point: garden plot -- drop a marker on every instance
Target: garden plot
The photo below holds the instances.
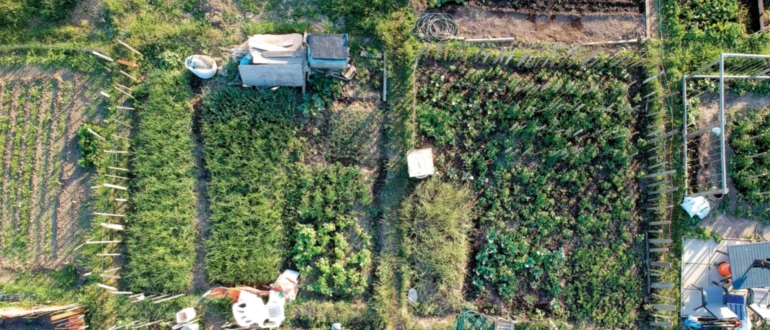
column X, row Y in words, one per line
column 42, row 186
column 549, row 151
column 745, row 145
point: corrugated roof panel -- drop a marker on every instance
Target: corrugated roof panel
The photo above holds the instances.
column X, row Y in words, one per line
column 741, row 257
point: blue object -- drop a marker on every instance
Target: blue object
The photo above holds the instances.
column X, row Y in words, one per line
column 692, row 323
column 737, row 304
column 328, row 51
column 246, row 60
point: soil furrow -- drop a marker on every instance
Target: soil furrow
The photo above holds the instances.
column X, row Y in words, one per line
column 63, row 199
column 74, row 179
column 17, row 174
column 3, row 120
column 38, row 173
column 6, row 187
column 53, row 144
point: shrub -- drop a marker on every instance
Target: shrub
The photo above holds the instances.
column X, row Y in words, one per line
column 12, row 12
column 90, row 146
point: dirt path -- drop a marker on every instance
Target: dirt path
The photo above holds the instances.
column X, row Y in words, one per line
column 200, row 283
column 477, row 22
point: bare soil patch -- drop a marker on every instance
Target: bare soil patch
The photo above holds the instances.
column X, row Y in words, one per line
column 479, row 22
column 58, row 185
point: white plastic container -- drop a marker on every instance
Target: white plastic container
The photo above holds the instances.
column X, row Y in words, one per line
column 201, row 65
column 186, row 315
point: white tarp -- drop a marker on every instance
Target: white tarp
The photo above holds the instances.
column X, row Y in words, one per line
column 696, row 206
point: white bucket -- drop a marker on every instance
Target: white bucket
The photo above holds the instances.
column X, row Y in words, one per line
column 201, row 65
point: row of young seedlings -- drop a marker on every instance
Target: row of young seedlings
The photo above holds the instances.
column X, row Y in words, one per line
column 579, row 56
column 659, row 196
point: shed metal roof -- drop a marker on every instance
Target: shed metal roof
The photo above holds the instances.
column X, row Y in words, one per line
column 741, row 257
column 328, row 46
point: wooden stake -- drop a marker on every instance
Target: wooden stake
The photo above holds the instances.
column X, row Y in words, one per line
column 129, row 76
column 118, row 168
column 122, row 123
column 112, row 226
column 128, row 64
column 102, row 242
column 167, row 299
column 115, row 176
column 122, row 152
column 102, row 56
column 104, row 94
column 109, row 214
column 96, row 135
column 107, row 185
column 107, row 254
column 126, row 94
column 106, row 287
column 129, row 47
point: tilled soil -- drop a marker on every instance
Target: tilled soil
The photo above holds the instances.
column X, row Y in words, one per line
column 58, row 186
column 480, row 22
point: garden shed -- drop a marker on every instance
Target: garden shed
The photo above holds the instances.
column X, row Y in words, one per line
column 274, row 60
column 328, row 51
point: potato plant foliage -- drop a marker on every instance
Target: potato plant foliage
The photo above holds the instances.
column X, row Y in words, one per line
column 550, row 157
column 750, row 139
